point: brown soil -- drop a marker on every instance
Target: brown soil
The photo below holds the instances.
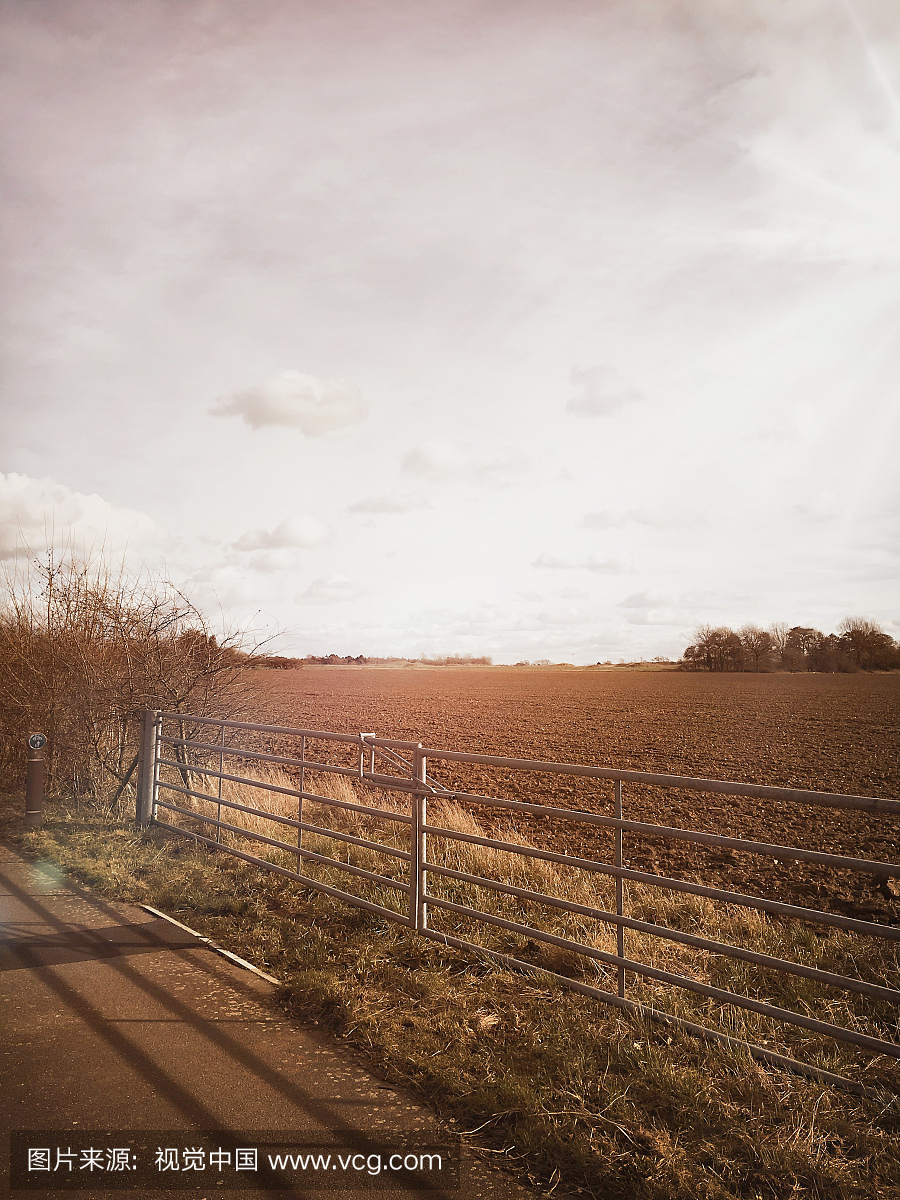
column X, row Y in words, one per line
column 823, row 732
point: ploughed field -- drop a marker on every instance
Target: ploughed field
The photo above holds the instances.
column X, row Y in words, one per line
column 838, row 733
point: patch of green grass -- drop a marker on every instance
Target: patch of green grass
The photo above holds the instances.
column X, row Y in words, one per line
column 576, row 1091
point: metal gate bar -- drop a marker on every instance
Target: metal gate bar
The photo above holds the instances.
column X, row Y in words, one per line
column 664, row 883
column 838, row 1032
column 652, row 1014
column 276, row 869
column 381, row 880
column 414, row 780
column 875, row 990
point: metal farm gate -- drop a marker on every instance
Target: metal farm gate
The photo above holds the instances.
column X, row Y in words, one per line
column 181, row 751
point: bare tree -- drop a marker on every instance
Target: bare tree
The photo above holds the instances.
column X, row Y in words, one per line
column 756, row 644
column 780, row 633
column 716, row 649
column 802, row 643
column 860, row 644
column 869, row 647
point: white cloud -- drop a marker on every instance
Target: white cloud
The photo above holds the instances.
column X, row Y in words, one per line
column 680, row 609
column 393, row 502
column 601, row 392
column 560, row 616
column 822, row 508
column 584, row 562
column 669, row 518
column 329, row 590
column 651, row 599
column 274, row 562
column 229, row 587
column 566, row 593
column 40, row 512
column 313, row 405
column 440, row 458
column 297, row 531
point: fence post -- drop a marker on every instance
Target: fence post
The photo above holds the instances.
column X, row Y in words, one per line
column 418, row 911
column 221, row 769
column 620, row 890
column 300, row 800
column 363, row 746
column 146, row 786
column 34, row 781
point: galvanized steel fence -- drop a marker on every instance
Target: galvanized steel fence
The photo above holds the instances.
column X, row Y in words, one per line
column 174, row 747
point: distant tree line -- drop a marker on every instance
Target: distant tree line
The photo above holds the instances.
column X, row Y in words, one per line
column 336, row 660
column 291, row 664
column 458, row 660
column 858, row 645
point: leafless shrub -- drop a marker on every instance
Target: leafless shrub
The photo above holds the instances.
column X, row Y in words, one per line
column 85, row 644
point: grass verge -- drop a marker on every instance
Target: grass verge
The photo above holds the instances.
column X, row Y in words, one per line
column 574, row 1093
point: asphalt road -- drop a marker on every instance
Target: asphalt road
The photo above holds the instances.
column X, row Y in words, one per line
column 121, row 1032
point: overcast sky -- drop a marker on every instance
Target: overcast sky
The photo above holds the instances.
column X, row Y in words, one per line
column 530, row 328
